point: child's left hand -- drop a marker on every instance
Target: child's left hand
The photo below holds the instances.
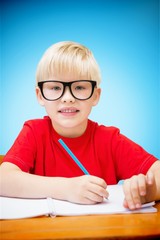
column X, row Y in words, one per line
column 139, row 189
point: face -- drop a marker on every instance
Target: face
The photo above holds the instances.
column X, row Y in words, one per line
column 69, row 115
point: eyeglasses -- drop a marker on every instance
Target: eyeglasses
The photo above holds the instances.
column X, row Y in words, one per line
column 53, row 90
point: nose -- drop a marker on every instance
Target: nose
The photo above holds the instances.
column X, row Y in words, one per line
column 67, row 96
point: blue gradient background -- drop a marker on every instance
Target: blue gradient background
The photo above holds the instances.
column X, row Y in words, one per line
column 124, row 37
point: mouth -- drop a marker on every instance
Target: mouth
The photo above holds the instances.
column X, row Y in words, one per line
column 68, row 110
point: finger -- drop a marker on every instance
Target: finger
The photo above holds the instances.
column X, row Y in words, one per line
column 98, row 181
column 137, row 185
column 132, row 199
column 142, row 184
column 99, row 187
column 127, row 193
column 150, row 177
column 94, row 198
column 125, row 203
column 100, row 191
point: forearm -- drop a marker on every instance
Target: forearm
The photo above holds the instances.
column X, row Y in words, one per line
column 84, row 189
column 15, row 183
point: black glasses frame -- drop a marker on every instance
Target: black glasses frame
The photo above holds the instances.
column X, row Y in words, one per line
column 67, row 84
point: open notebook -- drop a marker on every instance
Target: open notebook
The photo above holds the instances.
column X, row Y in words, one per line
column 15, row 208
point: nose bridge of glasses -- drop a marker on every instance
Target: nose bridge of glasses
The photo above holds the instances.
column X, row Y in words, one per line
column 67, row 89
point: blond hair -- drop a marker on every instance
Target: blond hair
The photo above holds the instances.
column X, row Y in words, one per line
column 68, row 57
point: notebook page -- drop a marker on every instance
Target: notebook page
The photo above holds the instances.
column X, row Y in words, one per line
column 15, row 208
column 111, row 206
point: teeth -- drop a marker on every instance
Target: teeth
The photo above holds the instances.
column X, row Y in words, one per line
column 68, row 111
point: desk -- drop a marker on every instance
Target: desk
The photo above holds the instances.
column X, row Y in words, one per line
column 1, row 158
column 122, row 226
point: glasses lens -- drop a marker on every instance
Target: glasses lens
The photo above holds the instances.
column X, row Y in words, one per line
column 52, row 90
column 81, row 89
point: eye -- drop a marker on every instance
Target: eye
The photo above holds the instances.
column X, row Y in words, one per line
column 79, row 88
column 53, row 87
column 56, row 88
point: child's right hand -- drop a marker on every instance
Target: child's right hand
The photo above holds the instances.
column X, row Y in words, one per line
column 86, row 189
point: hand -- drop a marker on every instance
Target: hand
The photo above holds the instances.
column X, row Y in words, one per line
column 139, row 189
column 86, row 189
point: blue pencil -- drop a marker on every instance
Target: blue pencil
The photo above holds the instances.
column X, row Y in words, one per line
column 73, row 157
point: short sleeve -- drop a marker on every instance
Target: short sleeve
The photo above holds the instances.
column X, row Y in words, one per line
column 130, row 158
column 23, row 151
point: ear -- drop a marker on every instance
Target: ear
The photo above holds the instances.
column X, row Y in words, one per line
column 96, row 96
column 39, row 96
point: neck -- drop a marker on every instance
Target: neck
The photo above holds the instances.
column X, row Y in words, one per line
column 70, row 132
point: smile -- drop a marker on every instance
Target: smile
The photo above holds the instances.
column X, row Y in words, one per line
column 68, row 110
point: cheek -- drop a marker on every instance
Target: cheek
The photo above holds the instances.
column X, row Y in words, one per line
column 92, row 101
column 88, row 107
column 50, row 107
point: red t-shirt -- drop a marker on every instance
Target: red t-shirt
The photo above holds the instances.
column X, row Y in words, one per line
column 102, row 150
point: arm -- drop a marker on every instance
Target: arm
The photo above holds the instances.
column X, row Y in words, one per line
column 84, row 189
column 142, row 188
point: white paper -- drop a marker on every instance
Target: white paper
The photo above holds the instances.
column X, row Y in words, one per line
column 113, row 205
column 14, row 208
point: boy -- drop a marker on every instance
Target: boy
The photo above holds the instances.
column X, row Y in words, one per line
column 37, row 166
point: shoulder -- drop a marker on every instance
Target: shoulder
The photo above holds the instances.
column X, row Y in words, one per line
column 104, row 135
column 38, row 126
column 103, row 130
column 38, row 123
